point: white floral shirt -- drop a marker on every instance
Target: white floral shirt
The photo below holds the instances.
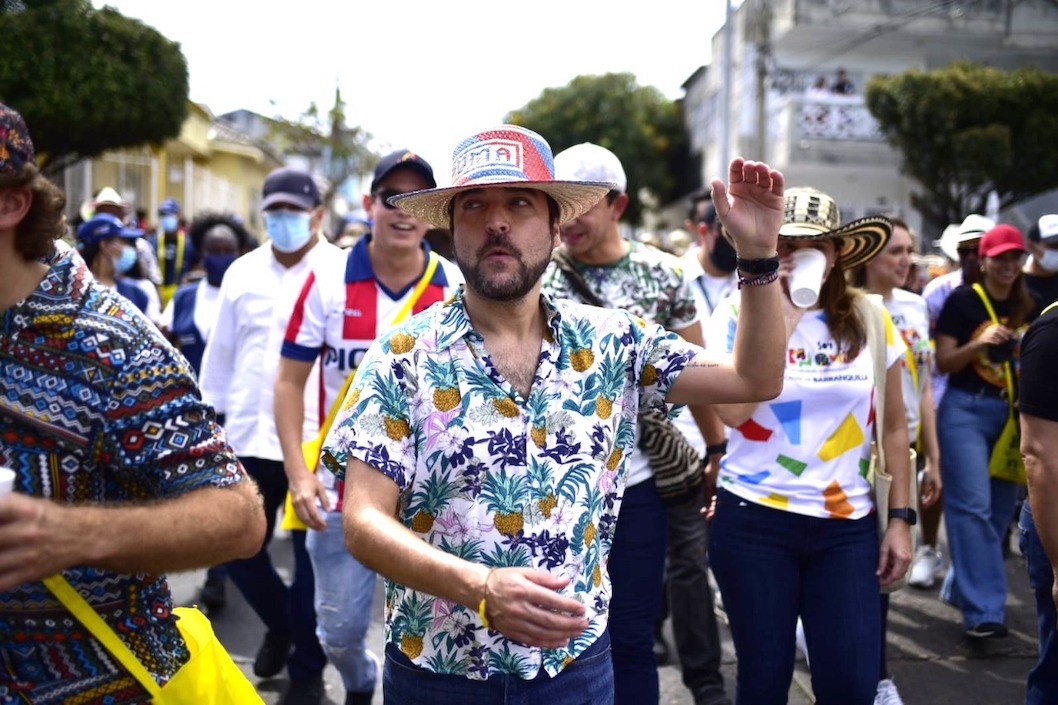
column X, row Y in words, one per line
column 501, row 480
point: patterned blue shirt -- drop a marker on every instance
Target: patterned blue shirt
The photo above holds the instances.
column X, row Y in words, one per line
column 95, row 406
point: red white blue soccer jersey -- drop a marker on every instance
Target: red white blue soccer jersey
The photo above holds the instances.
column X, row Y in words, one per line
column 342, row 308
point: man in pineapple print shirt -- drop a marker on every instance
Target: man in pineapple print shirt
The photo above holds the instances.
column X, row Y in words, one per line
column 484, row 442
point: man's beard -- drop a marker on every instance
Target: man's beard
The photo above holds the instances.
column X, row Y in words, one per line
column 507, row 287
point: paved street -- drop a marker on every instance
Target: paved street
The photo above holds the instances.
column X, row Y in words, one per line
column 928, row 656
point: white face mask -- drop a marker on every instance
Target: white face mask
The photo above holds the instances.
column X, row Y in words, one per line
column 1049, row 260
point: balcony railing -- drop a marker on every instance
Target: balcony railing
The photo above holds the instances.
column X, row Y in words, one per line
column 832, row 118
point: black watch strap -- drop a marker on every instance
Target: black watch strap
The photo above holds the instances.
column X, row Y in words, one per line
column 906, row 513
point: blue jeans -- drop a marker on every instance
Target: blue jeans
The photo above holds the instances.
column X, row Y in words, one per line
column 344, row 590
column 773, row 565
column 691, row 601
column 283, row 610
column 588, row 680
column 977, row 507
column 637, row 570
column 1042, row 686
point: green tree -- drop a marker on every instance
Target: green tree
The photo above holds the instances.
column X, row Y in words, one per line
column 637, row 123
column 967, row 129
column 88, row 80
column 332, row 147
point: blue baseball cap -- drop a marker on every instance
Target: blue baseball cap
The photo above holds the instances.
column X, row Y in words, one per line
column 170, row 206
column 291, row 186
column 104, row 226
column 402, row 158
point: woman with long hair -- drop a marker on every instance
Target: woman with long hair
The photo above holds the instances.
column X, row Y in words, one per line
column 977, row 354
column 795, row 532
column 885, row 275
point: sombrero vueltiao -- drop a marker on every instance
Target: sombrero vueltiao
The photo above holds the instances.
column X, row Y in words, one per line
column 509, row 156
column 813, row 215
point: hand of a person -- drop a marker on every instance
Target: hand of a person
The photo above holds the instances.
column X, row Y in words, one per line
column 994, row 334
column 308, row 494
column 712, row 472
column 1054, row 589
column 524, row 605
column 29, row 548
column 930, row 487
column 751, row 207
column 894, row 555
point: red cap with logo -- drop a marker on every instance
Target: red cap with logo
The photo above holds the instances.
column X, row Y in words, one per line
column 1002, row 238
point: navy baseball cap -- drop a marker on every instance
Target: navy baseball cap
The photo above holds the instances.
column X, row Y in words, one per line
column 170, row 206
column 104, row 226
column 293, row 186
column 402, row 158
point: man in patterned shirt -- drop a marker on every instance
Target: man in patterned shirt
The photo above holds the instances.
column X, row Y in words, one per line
column 651, row 284
column 121, row 472
column 484, row 442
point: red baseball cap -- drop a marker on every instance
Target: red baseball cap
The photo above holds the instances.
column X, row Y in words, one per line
column 1002, row 238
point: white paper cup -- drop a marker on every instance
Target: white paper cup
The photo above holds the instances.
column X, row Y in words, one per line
column 7, row 480
column 807, row 276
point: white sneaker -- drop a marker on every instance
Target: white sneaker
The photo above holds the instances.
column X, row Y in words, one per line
column 802, row 645
column 887, row 693
column 927, row 566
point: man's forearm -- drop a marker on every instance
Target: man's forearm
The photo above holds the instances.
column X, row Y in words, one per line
column 760, row 339
column 1039, row 447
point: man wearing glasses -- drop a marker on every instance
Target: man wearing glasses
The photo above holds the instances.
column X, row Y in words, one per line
column 342, row 308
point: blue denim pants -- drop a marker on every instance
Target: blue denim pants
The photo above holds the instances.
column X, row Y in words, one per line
column 773, row 566
column 977, row 507
column 344, row 591
column 637, row 574
column 588, row 680
column 1042, row 686
column 284, row 610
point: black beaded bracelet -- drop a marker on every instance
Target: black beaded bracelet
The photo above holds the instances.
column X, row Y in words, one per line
column 764, row 265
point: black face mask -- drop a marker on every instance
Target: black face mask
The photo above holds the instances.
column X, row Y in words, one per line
column 723, row 255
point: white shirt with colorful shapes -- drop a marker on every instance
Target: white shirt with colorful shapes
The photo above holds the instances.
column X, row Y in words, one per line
column 807, row 451
column 500, row 480
column 911, row 317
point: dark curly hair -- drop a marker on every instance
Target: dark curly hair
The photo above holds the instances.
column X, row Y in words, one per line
column 206, row 221
column 45, row 222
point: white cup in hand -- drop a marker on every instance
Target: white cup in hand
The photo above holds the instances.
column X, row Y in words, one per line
column 807, row 276
column 7, row 480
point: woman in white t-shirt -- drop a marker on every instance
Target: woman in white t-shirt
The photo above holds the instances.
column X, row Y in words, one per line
column 884, row 276
column 794, row 532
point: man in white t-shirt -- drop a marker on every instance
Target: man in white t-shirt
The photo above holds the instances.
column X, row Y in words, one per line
column 342, row 308
column 238, row 374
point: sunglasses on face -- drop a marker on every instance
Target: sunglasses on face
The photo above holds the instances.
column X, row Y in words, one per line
column 384, row 194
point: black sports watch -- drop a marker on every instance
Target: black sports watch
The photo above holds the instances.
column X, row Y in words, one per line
column 906, row 513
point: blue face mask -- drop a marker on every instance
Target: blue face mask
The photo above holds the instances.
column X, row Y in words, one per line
column 288, row 230
column 169, row 223
column 126, row 259
column 216, row 266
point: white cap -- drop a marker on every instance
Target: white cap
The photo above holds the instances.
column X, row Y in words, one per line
column 1048, row 226
column 109, row 196
column 973, row 228
column 590, row 162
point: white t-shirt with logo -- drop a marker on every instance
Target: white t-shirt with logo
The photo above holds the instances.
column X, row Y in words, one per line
column 911, row 317
column 808, row 450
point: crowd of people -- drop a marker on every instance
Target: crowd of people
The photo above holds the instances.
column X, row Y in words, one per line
column 543, row 442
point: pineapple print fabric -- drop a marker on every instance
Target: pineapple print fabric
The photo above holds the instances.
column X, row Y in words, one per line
column 500, row 480
column 647, row 283
column 807, row 451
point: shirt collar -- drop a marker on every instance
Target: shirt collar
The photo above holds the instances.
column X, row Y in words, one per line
column 455, row 323
column 358, row 266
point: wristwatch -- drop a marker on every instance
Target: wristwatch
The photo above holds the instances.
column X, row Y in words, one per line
column 906, row 513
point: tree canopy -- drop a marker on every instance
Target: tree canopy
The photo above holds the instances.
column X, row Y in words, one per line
column 88, row 80
column 967, row 129
column 637, row 123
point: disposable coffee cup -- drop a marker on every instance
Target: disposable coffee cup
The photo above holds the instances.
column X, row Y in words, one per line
column 7, row 480
column 807, row 276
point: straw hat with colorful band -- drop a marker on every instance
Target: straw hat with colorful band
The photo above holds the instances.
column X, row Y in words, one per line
column 809, row 214
column 509, row 156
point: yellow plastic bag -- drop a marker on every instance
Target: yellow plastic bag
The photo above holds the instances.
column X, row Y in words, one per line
column 210, row 677
column 1006, row 462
